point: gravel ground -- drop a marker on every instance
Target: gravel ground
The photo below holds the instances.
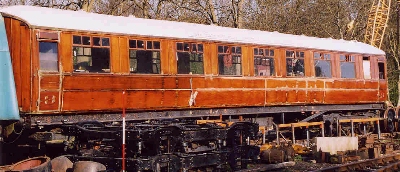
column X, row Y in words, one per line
column 302, row 166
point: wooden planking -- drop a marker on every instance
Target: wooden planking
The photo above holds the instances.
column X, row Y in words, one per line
column 348, row 96
column 25, row 69
column 123, row 55
column 65, row 50
column 383, row 91
column 49, row 101
column 115, row 55
column 336, row 65
column 374, row 67
column 207, row 60
column 16, row 56
column 164, row 57
column 171, row 53
column 111, row 100
column 209, row 98
column 49, row 82
column 282, row 62
column 7, row 23
column 34, row 72
column 246, row 55
column 315, row 96
column 250, row 57
column 359, row 67
column 308, row 63
column 213, row 51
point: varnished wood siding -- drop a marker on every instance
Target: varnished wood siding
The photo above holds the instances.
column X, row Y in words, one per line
column 85, row 92
column 68, row 91
column 18, row 36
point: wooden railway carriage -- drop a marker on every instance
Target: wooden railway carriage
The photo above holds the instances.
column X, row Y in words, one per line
column 71, row 66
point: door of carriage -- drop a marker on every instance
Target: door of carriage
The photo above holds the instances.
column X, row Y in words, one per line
column 49, row 72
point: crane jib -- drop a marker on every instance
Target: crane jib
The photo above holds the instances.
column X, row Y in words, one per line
column 8, row 96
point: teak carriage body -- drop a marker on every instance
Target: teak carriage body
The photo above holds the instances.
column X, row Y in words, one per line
column 71, row 66
column 66, row 89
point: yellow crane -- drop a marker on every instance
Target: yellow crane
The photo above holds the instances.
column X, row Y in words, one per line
column 378, row 18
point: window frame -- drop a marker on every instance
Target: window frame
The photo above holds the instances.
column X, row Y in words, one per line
column 349, row 58
column 53, row 37
column 145, row 47
column 90, row 45
column 381, row 60
column 264, row 49
column 190, row 51
column 229, row 47
column 331, row 61
column 295, row 53
column 370, row 68
column 58, row 56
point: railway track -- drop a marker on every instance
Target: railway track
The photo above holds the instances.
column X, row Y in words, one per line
column 381, row 164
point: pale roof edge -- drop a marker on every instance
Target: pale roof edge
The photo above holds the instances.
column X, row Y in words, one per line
column 84, row 21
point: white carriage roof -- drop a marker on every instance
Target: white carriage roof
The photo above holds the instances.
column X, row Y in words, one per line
column 84, row 21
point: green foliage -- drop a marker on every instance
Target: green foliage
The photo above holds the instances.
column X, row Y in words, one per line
column 298, row 158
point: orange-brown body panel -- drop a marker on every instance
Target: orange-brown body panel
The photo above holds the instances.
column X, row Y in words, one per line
column 66, row 91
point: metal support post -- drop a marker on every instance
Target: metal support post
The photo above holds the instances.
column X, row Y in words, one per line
column 379, row 130
column 277, row 136
column 352, row 128
column 294, row 139
column 322, row 130
column 365, row 129
column 308, row 137
column 263, row 136
column 337, row 127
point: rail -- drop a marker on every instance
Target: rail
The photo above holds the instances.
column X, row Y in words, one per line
column 384, row 163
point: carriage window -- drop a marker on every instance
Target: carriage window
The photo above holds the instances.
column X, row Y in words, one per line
column 229, row 60
column 381, row 66
column 190, row 58
column 295, row 63
column 91, row 54
column 322, row 65
column 347, row 66
column 367, row 68
column 144, row 57
column 264, row 62
column 48, row 56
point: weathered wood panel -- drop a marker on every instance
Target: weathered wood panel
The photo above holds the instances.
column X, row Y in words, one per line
column 169, row 92
column 49, row 82
column 315, row 96
column 34, row 72
column 250, row 58
column 49, row 101
column 16, row 56
column 7, row 23
column 350, row 96
column 207, row 59
column 65, row 53
column 171, row 53
column 308, row 63
column 164, row 57
column 246, row 57
column 213, row 51
column 124, row 55
column 383, row 90
column 115, row 62
column 336, row 65
column 25, row 69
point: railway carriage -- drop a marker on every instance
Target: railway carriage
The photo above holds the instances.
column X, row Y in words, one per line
column 62, row 68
